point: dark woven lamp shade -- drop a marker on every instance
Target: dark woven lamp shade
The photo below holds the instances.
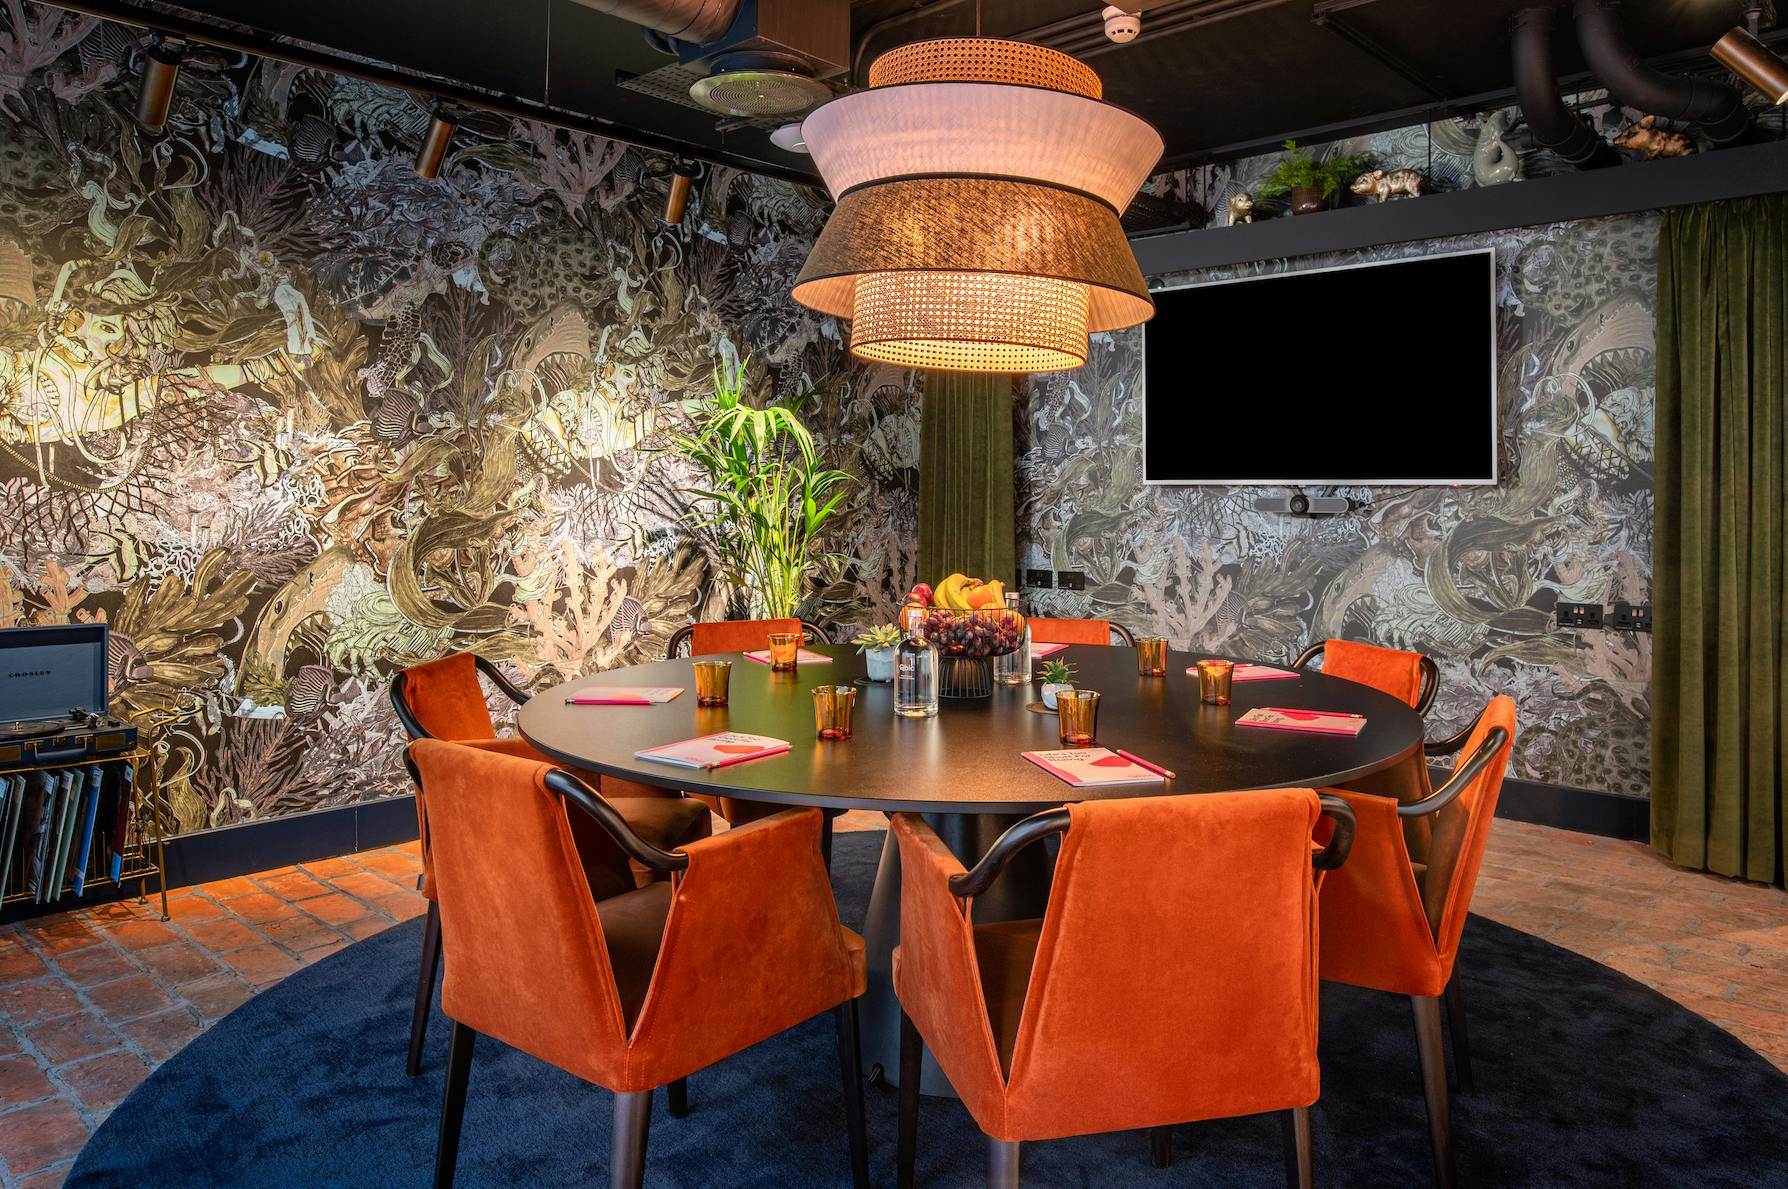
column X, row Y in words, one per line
column 979, row 184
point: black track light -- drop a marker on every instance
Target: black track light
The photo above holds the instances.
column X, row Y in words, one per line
column 683, row 175
column 161, row 69
column 441, row 123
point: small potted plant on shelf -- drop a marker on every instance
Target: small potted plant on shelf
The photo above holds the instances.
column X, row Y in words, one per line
column 1058, row 675
column 877, row 645
column 1309, row 182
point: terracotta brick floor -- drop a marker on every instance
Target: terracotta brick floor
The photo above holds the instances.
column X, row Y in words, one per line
column 94, row 1000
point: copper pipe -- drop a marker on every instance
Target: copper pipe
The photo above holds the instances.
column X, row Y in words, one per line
column 161, row 70
column 677, row 201
column 435, row 144
column 1752, row 61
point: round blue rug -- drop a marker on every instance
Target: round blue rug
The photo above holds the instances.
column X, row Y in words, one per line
column 1584, row 1077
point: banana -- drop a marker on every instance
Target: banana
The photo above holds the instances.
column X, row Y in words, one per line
column 949, row 593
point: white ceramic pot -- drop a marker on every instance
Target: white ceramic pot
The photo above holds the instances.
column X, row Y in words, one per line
column 1050, row 691
column 880, row 663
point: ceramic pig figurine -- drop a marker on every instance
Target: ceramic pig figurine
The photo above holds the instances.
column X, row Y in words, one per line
column 1653, row 141
column 1241, row 208
column 1382, row 185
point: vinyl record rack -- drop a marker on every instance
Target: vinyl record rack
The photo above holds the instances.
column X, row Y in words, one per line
column 144, row 856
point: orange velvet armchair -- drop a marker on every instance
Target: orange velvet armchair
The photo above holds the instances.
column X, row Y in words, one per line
column 1179, row 944
column 736, row 635
column 442, row 699
column 1079, row 631
column 1407, row 676
column 1393, row 924
column 641, row 988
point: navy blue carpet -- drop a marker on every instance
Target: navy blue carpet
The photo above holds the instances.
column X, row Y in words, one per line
column 1585, row 1077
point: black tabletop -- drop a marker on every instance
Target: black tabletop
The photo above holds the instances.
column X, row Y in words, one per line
column 966, row 759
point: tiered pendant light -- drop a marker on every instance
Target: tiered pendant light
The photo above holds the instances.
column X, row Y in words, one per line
column 979, row 184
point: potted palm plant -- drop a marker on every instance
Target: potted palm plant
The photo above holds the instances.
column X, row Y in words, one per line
column 1057, row 675
column 765, row 495
column 1309, row 182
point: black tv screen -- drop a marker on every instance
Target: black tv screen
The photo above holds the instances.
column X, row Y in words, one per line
column 1381, row 373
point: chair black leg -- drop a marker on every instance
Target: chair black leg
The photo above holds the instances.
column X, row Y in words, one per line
column 826, row 816
column 1300, row 1170
column 912, row 1050
column 453, row 1103
column 633, row 1123
column 1002, row 1163
column 850, row 1069
column 425, row 988
column 1430, row 1046
column 676, row 1097
column 1460, row 1034
column 1161, row 1146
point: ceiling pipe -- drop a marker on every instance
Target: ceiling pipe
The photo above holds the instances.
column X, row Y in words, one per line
column 1716, row 108
column 694, row 21
column 1554, row 126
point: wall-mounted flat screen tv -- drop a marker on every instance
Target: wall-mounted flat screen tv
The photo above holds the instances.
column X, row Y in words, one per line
column 1381, row 373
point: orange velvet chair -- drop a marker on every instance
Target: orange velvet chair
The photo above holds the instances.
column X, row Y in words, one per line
column 645, row 986
column 1393, row 924
column 742, row 635
column 442, row 699
column 736, row 635
column 1407, row 676
column 1179, row 946
column 1079, row 631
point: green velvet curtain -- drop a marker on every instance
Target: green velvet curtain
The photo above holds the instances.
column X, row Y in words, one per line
column 967, row 507
column 1720, row 665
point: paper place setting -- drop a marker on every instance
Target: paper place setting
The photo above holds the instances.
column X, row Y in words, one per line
column 625, row 695
column 1087, row 766
column 1322, row 722
column 715, row 751
column 803, row 657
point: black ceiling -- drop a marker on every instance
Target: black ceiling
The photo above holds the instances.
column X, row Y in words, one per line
column 1217, row 77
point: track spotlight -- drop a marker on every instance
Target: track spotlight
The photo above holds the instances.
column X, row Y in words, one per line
column 441, row 123
column 161, row 69
column 683, row 174
column 1741, row 53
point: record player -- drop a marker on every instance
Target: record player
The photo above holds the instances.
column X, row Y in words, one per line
column 53, row 697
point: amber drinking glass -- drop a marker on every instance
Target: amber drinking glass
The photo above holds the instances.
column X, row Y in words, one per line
column 833, row 706
column 1151, row 656
column 711, row 681
column 1213, row 681
column 785, row 647
column 1077, row 716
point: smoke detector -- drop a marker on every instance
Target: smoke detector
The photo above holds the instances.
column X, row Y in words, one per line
column 758, row 86
column 1121, row 26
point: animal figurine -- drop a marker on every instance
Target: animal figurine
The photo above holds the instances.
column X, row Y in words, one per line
column 1382, row 185
column 1493, row 160
column 1646, row 137
column 1241, row 208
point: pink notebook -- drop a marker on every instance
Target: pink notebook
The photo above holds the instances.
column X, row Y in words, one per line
column 1321, row 721
column 715, row 751
column 803, row 657
column 1039, row 651
column 625, row 695
column 1085, row 766
column 1257, row 673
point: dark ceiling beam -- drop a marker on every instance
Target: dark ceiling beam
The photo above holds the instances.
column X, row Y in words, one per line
column 1164, row 21
column 254, row 42
column 1329, row 18
column 896, row 21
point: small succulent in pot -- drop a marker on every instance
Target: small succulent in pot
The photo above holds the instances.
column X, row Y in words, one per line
column 1057, row 675
column 877, row 644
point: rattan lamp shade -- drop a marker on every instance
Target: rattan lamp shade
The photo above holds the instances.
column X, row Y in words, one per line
column 979, row 184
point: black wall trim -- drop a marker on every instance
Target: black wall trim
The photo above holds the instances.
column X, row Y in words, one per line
column 1635, row 186
column 1586, row 811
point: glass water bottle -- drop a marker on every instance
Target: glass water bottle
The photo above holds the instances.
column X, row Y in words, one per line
column 1015, row 667
column 915, row 670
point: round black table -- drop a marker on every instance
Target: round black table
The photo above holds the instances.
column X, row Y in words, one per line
column 962, row 769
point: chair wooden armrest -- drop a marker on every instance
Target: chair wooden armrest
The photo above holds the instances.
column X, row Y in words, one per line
column 495, row 675
column 1452, row 743
column 1463, row 775
column 587, row 799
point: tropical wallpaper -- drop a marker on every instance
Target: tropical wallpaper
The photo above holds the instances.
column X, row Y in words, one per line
column 1468, row 575
column 288, row 417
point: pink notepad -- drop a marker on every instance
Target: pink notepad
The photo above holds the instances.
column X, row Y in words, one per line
column 1085, row 766
column 1320, row 721
column 1257, row 673
column 1039, row 651
column 715, row 751
column 803, row 657
column 625, row 695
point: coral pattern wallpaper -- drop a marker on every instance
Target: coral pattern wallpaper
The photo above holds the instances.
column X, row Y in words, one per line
column 1467, row 575
column 289, row 417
